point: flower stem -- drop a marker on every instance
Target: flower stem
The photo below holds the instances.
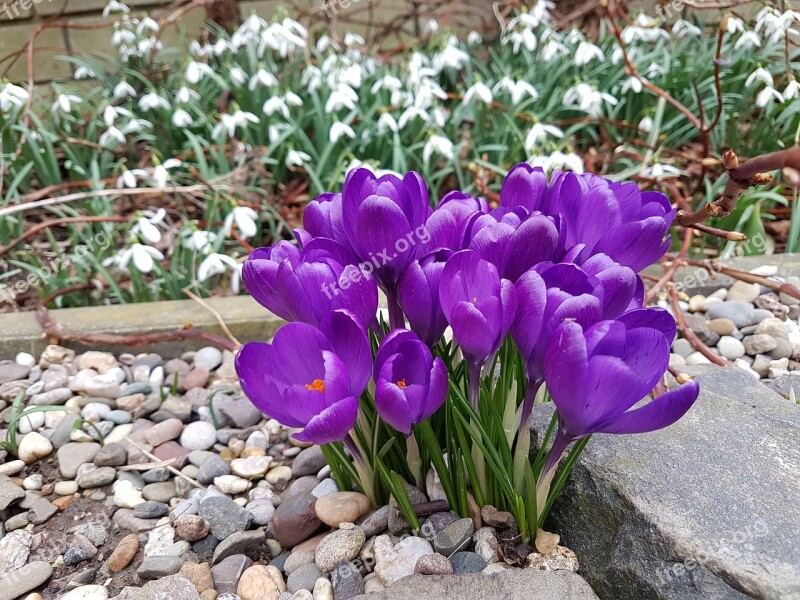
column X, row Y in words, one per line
column 474, row 385
column 554, row 457
column 396, row 318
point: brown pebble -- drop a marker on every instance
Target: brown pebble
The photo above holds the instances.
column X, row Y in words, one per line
column 64, row 502
column 124, row 552
column 48, row 489
column 199, row 574
column 252, row 451
column 209, row 595
column 191, row 528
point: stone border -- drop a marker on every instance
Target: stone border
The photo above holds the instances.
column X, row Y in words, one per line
column 247, row 320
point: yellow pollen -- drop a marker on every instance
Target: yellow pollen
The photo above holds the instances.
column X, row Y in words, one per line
column 402, row 384
column 317, row 385
column 475, row 300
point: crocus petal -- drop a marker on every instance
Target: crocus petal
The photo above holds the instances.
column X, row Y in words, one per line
column 524, row 186
column 391, row 403
column 350, row 343
column 662, row 412
column 332, row 424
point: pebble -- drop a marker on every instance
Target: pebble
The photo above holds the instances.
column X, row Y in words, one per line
column 25, row 579
column 31, row 421
column 199, row 574
column 211, row 468
column 467, row 562
column 156, row 567
column 150, row 510
column 228, row 572
column 126, row 495
column 249, row 468
column 231, row 484
column 33, row 447
column 208, row 358
column 124, row 553
column 340, row 545
column 261, row 583
column 759, row 343
column 730, row 347
column 394, row 562
column 279, row 474
column 111, row 455
column 295, row 520
column 341, row 507
column 433, row 564
column 73, row 455
column 303, row 578
column 741, row 313
column 261, row 510
column 721, row 326
column 224, row 516
column 199, row 435
column 163, row 432
column 12, row 467
column 455, row 537
column 346, row 581
column 15, row 548
column 9, row 492
column 97, row 477
column 33, row 482
column 86, row 592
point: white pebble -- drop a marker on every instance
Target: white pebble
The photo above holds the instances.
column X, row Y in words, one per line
column 25, row 359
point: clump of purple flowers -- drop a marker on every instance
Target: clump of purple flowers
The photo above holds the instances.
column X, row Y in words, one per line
column 489, row 311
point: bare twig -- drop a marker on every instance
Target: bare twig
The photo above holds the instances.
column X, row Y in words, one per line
column 690, row 335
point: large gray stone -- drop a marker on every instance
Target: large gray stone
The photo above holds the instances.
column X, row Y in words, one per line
column 512, row 584
column 705, row 509
column 175, row 587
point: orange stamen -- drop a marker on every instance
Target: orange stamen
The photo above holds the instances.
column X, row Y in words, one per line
column 402, row 384
column 317, row 385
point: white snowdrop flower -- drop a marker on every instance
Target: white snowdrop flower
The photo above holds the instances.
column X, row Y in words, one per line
column 552, row 49
column 655, row 70
column 683, row 28
column 439, row 145
column 474, row 39
column 517, row 89
column 262, row 78
column 352, row 40
column 84, row 73
column 760, row 75
column 276, row 104
column 296, row 158
column 124, row 90
column 387, row 82
column 186, row 95
column 238, row 76
column 181, row 118
column 386, row 122
column 127, row 179
column 521, row 39
column 658, row 171
column 539, row 132
column 122, row 38
column 410, row 114
column 558, row 160
column 277, row 132
column 632, row 84
column 749, row 40
column 478, row 90
column 586, row 53
column 136, row 126
column 439, row 117
column 792, row 90
column 246, row 220
column 284, row 38
column 196, row 71
column 115, row 7
column 311, row 78
column 584, row 97
column 147, row 24
column 160, row 176
column 215, row 264
column 325, row 43
column 12, row 96
column 112, row 113
column 222, row 46
column 734, row 24
column 146, row 226
column 142, row 256
column 768, row 96
column 201, row 241
column 151, row 101
column 230, row 122
column 432, row 26
column 341, row 97
column 451, row 57
column 293, row 99
column 427, row 93
column 339, row 129
column 644, row 30
column 646, row 125
column 111, row 137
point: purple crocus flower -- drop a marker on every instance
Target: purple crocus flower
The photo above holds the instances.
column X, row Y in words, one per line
column 309, row 377
column 617, row 219
column 448, row 224
column 477, row 303
column 597, row 374
column 305, row 285
column 323, row 218
column 383, row 219
column 623, row 289
column 418, row 295
column 525, row 187
column 410, row 385
column 514, row 241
